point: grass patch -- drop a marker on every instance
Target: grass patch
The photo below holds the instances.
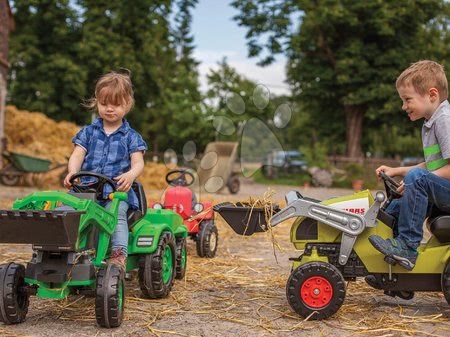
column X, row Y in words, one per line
column 297, row 179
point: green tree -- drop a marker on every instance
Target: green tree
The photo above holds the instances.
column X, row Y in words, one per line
column 248, row 113
column 45, row 73
column 117, row 34
column 187, row 119
column 344, row 56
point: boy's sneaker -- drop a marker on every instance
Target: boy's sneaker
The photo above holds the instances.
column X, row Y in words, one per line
column 395, row 250
column 118, row 258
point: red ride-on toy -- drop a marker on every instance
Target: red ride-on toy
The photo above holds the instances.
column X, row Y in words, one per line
column 197, row 216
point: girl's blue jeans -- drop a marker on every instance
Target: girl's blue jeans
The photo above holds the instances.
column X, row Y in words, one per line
column 423, row 189
column 119, row 239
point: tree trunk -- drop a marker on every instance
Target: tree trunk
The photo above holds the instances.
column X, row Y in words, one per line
column 354, row 116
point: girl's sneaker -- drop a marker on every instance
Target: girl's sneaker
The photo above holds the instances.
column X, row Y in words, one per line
column 119, row 258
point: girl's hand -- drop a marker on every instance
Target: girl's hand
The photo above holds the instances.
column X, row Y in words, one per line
column 67, row 183
column 124, row 181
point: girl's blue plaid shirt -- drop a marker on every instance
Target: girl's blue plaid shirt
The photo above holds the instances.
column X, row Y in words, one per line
column 109, row 154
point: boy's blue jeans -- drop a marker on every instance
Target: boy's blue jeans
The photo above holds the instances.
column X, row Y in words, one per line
column 423, row 189
column 119, row 239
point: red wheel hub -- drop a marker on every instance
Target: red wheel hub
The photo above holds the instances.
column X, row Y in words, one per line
column 316, row 292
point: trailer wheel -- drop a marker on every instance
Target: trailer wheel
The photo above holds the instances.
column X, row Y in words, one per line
column 234, row 184
column 316, row 290
column 109, row 296
column 446, row 282
column 14, row 299
column 207, row 239
column 9, row 179
column 181, row 258
column 157, row 270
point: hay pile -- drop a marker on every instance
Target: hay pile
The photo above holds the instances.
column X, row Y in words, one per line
column 34, row 134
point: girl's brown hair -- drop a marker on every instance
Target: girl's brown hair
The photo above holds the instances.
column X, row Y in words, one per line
column 424, row 75
column 115, row 88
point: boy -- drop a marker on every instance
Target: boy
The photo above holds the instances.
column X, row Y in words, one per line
column 111, row 147
column 423, row 89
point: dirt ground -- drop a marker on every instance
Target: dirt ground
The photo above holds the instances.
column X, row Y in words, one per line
column 240, row 292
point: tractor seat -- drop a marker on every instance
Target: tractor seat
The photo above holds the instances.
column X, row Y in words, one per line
column 439, row 226
column 134, row 215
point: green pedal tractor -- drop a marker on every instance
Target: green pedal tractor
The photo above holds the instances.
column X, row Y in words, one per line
column 333, row 237
column 70, row 236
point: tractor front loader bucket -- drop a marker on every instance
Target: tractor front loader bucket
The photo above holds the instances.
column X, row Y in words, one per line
column 246, row 219
column 46, row 230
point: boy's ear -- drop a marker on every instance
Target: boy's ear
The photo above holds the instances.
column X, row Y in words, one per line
column 434, row 93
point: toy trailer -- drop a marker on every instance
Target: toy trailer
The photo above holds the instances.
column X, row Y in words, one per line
column 216, row 168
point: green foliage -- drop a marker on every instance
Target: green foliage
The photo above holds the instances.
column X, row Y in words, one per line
column 58, row 51
column 344, row 56
column 46, row 73
column 391, row 141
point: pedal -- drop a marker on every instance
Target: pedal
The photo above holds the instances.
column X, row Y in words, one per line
column 390, row 260
column 390, row 293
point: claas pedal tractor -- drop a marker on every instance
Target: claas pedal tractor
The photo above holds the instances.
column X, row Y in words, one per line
column 70, row 236
column 333, row 237
column 197, row 216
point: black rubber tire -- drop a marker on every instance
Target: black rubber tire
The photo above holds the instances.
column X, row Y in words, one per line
column 234, row 185
column 151, row 267
column 14, row 299
column 445, row 282
column 405, row 295
column 305, row 272
column 181, row 265
column 110, row 296
column 207, row 239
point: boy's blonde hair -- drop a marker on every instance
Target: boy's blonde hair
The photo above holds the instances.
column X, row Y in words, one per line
column 115, row 88
column 424, row 75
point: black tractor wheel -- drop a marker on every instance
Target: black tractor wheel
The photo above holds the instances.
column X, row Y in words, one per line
column 109, row 296
column 181, row 258
column 157, row 271
column 316, row 290
column 207, row 239
column 14, row 299
column 445, row 281
column 234, row 184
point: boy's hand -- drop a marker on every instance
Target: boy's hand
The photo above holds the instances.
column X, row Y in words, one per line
column 401, row 188
column 124, row 181
column 386, row 169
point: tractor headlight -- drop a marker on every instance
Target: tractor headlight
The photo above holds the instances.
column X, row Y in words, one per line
column 198, row 207
column 157, row 205
column 144, row 241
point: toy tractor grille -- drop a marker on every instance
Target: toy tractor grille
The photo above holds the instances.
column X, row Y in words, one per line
column 354, row 266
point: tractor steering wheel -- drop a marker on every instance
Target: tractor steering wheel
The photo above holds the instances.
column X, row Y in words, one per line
column 95, row 187
column 180, row 178
column 390, row 186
